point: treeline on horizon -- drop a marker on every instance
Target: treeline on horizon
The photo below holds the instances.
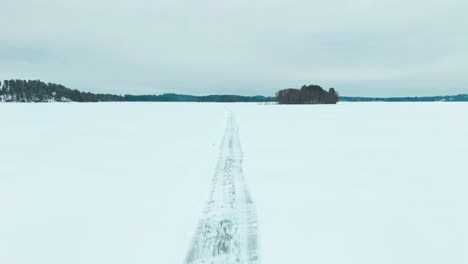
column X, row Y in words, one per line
column 38, row 91
column 444, row 98
column 171, row 97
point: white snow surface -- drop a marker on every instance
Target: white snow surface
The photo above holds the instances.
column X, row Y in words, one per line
column 227, row 232
column 96, row 183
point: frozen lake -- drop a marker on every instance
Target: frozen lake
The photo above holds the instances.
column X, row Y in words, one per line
column 126, row 183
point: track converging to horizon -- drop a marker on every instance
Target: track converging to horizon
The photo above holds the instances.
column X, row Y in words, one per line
column 227, row 229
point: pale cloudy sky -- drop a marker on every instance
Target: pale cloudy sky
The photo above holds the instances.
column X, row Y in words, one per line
column 360, row 47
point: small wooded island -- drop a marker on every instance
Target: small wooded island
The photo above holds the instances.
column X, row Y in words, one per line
column 312, row 94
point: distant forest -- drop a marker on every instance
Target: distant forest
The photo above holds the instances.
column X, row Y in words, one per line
column 446, row 98
column 38, row 91
column 170, row 97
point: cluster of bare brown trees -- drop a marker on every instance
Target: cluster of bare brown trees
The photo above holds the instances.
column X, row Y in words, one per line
column 312, row 94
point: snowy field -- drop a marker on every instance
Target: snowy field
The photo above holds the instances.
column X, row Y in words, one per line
column 119, row 183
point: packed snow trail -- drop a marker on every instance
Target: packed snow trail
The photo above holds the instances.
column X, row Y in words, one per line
column 227, row 230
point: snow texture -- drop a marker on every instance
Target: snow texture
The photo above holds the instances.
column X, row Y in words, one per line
column 227, row 231
column 366, row 183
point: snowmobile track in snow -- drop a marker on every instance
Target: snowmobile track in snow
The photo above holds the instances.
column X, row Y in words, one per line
column 227, row 230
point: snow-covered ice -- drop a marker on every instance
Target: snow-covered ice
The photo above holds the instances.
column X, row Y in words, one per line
column 227, row 231
column 127, row 182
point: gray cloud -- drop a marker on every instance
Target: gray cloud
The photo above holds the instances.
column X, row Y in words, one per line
column 382, row 48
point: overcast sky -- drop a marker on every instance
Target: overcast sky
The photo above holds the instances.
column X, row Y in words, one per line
column 360, row 47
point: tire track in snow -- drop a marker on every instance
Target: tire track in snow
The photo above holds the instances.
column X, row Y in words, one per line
column 227, row 230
